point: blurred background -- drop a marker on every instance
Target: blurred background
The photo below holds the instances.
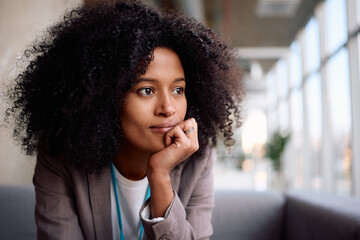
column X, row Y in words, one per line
column 301, row 66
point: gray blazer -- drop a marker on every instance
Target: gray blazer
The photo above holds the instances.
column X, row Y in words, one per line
column 74, row 205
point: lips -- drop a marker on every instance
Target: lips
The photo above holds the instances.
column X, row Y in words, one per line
column 162, row 127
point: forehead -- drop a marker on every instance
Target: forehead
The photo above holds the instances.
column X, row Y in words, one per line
column 165, row 65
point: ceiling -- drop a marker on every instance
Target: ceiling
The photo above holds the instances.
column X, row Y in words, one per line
column 250, row 24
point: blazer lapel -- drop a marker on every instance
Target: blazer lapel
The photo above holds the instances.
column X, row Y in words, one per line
column 175, row 175
column 99, row 190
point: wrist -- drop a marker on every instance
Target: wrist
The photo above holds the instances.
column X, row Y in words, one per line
column 158, row 175
column 161, row 192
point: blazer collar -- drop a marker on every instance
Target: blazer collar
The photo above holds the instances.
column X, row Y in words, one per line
column 99, row 190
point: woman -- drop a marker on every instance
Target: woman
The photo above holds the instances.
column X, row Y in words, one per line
column 122, row 105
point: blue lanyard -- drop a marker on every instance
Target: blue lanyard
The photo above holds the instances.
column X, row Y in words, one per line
column 118, row 205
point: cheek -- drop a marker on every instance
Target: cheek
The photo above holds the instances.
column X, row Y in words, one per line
column 129, row 120
column 132, row 121
column 133, row 112
column 131, row 129
column 182, row 108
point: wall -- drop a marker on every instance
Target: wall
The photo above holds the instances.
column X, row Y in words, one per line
column 21, row 21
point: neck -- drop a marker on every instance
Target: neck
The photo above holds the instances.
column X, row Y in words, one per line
column 131, row 163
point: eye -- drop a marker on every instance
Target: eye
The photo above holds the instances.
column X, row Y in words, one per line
column 178, row 91
column 146, row 91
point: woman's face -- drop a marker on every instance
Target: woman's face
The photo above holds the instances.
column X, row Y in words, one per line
column 155, row 104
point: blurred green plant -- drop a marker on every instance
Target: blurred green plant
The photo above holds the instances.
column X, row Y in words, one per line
column 275, row 149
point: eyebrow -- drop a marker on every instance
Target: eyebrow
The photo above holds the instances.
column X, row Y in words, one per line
column 155, row 80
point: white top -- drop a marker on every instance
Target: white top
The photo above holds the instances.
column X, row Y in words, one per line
column 131, row 197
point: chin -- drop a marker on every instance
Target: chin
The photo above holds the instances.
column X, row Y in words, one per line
column 157, row 148
column 155, row 145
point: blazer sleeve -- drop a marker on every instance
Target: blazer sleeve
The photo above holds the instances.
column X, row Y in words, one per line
column 55, row 209
column 192, row 221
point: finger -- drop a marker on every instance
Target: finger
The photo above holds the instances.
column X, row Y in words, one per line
column 188, row 124
column 187, row 128
column 173, row 135
column 191, row 127
column 188, row 143
column 189, row 131
column 192, row 133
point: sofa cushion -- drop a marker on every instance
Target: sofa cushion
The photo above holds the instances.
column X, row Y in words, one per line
column 17, row 205
column 313, row 216
column 248, row 215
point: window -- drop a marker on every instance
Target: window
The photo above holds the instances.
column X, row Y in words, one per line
column 284, row 116
column 315, row 125
column 272, row 88
column 322, row 153
column 297, row 126
column 358, row 10
column 336, row 24
column 340, row 115
column 312, row 46
column 295, row 65
column 282, row 78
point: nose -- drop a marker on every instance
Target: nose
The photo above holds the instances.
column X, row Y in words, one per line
column 165, row 106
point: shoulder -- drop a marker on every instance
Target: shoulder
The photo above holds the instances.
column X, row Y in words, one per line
column 52, row 174
column 46, row 164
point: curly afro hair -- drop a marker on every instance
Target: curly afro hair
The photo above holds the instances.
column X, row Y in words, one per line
column 66, row 101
